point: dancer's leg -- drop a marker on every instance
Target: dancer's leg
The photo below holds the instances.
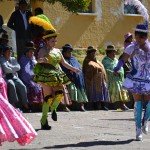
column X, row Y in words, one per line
column 45, row 110
column 56, row 101
column 146, row 115
column 138, row 115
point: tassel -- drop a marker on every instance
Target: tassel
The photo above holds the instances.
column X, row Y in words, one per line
column 140, row 7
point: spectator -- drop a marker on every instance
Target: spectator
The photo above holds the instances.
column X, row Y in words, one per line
column 26, row 74
column 19, row 22
column 128, row 39
column 1, row 25
column 77, row 87
column 4, row 40
column 117, row 94
column 17, row 91
column 95, row 80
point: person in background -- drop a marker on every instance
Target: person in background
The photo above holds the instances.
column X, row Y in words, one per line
column 17, row 92
column 1, row 25
column 95, row 80
column 118, row 95
column 19, row 22
column 26, row 74
column 4, row 40
column 77, row 87
column 13, row 126
column 128, row 39
column 128, row 65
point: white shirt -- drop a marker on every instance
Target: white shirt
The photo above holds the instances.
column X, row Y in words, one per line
column 24, row 19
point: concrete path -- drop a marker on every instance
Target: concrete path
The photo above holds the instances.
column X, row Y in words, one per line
column 91, row 130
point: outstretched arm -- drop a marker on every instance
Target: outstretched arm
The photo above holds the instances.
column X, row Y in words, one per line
column 68, row 66
column 121, row 62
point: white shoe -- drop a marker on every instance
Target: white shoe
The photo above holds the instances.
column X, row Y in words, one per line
column 145, row 128
column 139, row 134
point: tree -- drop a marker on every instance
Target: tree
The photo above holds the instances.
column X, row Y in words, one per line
column 72, row 5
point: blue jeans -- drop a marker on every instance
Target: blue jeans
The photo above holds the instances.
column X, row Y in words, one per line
column 17, row 91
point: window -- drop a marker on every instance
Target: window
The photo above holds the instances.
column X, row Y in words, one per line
column 130, row 9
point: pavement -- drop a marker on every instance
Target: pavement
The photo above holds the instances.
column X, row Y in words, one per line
column 90, row 130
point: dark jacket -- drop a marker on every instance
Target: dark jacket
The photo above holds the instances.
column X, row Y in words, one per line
column 1, row 21
column 16, row 23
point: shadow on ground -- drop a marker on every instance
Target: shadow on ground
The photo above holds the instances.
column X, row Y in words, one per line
column 89, row 144
column 129, row 119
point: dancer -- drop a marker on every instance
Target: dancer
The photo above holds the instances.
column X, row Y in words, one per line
column 137, row 81
column 13, row 126
column 48, row 71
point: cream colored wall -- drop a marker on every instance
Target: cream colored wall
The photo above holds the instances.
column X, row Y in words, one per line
column 6, row 8
column 84, row 30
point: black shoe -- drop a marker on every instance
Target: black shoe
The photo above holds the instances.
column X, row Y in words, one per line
column 105, row 108
column 45, row 126
column 125, row 108
column 54, row 115
column 83, row 109
column 26, row 110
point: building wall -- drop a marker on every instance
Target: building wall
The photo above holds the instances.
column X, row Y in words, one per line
column 106, row 25
column 6, row 8
column 81, row 30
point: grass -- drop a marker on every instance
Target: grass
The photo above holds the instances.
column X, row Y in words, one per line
column 80, row 54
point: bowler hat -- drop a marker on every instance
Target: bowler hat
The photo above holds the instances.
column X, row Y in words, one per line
column 111, row 48
column 5, row 48
column 67, row 46
column 30, row 45
column 91, row 49
column 22, row 2
column 4, row 36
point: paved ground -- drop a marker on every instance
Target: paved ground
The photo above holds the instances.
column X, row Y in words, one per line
column 91, row 130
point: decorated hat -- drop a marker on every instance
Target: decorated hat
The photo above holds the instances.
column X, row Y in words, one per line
column 126, row 36
column 91, row 49
column 142, row 28
column 111, row 48
column 40, row 24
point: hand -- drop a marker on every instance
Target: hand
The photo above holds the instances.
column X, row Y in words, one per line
column 76, row 70
column 145, row 47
